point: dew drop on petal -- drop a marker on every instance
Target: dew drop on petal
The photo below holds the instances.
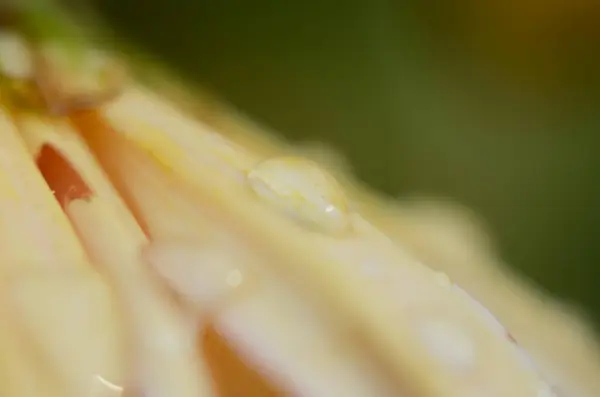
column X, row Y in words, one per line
column 303, row 191
column 203, row 276
column 234, row 278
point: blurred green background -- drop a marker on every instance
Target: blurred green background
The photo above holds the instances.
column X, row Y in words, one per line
column 494, row 104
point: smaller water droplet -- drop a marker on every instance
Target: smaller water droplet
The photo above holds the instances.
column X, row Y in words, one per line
column 234, row 278
column 203, row 276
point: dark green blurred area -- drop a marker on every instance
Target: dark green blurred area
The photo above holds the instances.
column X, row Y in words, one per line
column 417, row 109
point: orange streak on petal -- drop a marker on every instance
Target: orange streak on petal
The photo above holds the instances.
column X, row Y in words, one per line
column 65, row 182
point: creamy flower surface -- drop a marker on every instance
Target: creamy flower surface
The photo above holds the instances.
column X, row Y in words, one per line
column 150, row 250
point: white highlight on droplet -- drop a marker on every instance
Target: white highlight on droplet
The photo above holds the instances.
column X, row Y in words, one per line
column 303, row 191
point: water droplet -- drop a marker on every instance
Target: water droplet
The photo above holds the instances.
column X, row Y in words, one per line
column 206, row 277
column 234, row 278
column 303, row 191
